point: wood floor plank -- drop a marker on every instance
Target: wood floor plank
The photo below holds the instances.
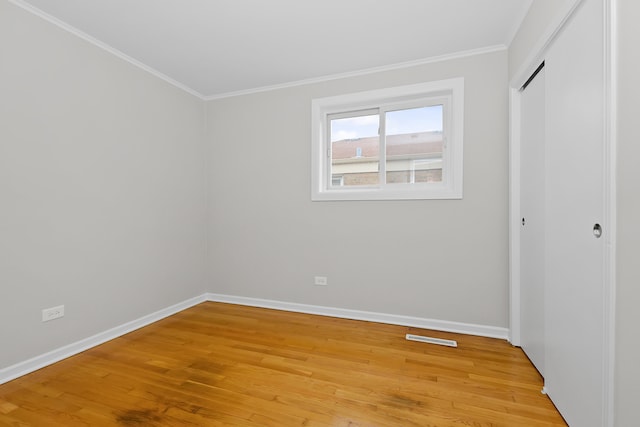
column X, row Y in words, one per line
column 229, row 365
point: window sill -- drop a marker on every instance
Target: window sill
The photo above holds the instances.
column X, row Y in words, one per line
column 435, row 192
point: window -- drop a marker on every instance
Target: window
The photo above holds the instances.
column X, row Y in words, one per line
column 398, row 143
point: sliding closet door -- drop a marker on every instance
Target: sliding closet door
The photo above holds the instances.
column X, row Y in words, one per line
column 574, row 292
column 532, row 210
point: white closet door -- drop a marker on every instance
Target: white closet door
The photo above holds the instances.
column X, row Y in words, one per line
column 574, row 291
column 532, row 210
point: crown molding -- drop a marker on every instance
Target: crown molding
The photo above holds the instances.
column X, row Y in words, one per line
column 119, row 54
column 363, row 72
column 104, row 46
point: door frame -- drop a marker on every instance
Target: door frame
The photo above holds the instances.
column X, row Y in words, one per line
column 533, row 60
column 533, row 207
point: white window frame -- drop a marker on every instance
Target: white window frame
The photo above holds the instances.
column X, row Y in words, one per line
column 448, row 92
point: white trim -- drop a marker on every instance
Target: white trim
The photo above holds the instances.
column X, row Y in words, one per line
column 102, row 45
column 610, row 208
column 369, row 316
column 514, row 216
column 358, row 73
column 450, row 91
column 538, row 50
column 51, row 357
column 22, row 368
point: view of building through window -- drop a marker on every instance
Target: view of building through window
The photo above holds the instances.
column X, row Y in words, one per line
column 413, row 140
column 355, row 149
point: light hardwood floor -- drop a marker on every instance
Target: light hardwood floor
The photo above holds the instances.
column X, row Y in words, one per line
column 220, row 364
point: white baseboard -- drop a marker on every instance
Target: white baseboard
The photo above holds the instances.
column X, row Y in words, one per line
column 38, row 362
column 392, row 319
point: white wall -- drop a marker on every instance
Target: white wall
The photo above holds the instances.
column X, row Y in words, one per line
column 102, row 197
column 102, row 189
column 441, row 259
column 627, row 376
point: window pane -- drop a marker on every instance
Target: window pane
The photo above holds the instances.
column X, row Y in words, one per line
column 414, row 141
column 355, row 150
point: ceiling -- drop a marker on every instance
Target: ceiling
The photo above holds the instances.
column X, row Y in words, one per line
column 215, row 48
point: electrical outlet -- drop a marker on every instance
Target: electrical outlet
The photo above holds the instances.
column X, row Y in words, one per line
column 320, row 280
column 52, row 313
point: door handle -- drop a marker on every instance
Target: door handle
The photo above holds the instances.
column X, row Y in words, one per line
column 597, row 231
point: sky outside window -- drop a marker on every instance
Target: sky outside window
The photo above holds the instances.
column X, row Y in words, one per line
column 414, row 120
column 425, row 119
column 354, row 127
